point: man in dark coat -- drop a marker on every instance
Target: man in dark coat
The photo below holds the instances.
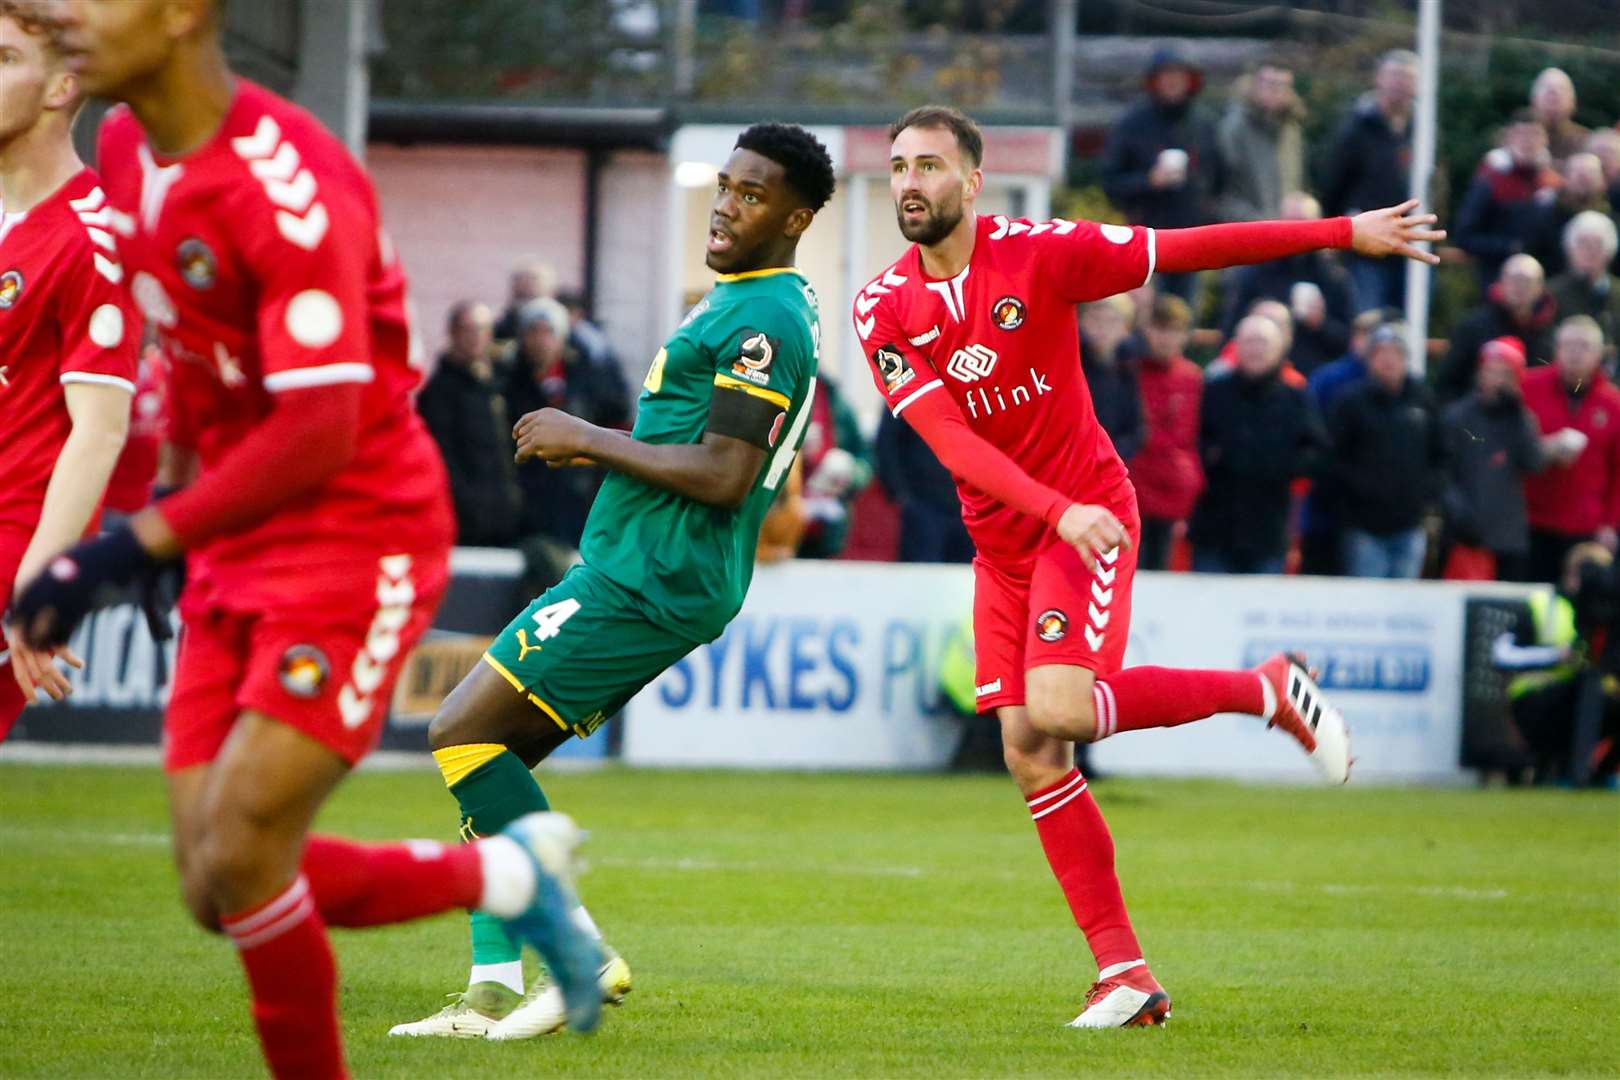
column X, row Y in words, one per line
column 1369, row 164
column 463, row 408
column 550, row 373
column 1517, row 305
column 1160, row 164
column 1387, row 462
column 1256, row 435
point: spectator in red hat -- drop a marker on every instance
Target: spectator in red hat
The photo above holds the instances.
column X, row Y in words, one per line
column 1576, row 498
column 1492, row 445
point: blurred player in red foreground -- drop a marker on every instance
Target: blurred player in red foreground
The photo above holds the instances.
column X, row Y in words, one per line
column 317, row 527
column 67, row 336
column 971, row 337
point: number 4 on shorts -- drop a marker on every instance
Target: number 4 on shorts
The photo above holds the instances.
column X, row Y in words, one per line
column 549, row 619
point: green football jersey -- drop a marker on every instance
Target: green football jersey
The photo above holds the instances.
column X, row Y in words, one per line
column 757, row 333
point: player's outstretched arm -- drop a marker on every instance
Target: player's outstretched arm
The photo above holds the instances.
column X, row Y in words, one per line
column 1394, row 230
column 975, row 461
column 719, row 471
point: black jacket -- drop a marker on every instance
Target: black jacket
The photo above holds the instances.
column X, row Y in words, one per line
column 556, row 502
column 1388, row 458
column 1368, row 165
column 1257, row 435
column 1275, row 280
column 1133, row 146
column 469, row 421
column 1117, row 398
column 1490, row 448
column 1492, row 320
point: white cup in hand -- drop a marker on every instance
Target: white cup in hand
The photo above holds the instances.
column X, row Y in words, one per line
column 1571, row 442
column 1174, row 161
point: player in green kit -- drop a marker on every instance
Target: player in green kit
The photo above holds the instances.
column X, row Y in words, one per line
column 668, row 549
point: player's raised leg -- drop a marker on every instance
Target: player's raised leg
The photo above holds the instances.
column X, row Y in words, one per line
column 247, row 873
column 1076, row 690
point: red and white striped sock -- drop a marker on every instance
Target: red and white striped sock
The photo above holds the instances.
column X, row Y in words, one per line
column 293, row 979
column 1081, row 853
column 1154, row 697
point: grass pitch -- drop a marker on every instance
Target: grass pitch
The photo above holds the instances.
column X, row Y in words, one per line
column 839, row 925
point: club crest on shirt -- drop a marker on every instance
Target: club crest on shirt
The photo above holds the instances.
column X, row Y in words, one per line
column 196, row 263
column 1051, row 625
column 1008, row 313
column 303, row 671
column 754, row 357
column 891, row 364
column 11, row 287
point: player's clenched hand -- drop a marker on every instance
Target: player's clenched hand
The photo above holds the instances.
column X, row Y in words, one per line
column 1091, row 530
column 36, row 670
column 553, row 436
column 1395, row 230
column 86, row 576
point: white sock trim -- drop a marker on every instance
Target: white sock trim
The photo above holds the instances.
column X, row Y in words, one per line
column 509, row 881
column 1268, row 696
column 1120, row 968
column 509, row 974
column 1106, row 709
column 583, row 920
column 275, row 918
column 1067, row 787
column 1070, row 797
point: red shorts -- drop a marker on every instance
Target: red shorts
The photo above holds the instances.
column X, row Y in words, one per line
column 1060, row 613
column 323, row 661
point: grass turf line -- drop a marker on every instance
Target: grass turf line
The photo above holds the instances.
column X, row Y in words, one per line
column 804, row 925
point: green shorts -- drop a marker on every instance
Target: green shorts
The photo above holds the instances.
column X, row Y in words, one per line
column 585, row 647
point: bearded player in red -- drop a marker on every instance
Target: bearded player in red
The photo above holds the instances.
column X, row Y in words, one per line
column 972, row 340
column 316, row 525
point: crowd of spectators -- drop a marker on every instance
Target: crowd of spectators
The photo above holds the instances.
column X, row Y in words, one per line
column 543, row 351
column 1310, row 442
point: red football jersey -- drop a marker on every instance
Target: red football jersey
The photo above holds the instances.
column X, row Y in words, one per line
column 261, row 260
column 1001, row 338
column 64, row 318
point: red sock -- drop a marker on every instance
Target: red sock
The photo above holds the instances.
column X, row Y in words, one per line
column 1150, row 697
column 293, row 979
column 1081, row 853
column 377, row 884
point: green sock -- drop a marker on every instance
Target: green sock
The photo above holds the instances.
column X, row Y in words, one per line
column 494, row 788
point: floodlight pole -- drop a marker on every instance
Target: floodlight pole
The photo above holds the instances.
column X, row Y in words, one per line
column 1423, row 148
column 1064, row 13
